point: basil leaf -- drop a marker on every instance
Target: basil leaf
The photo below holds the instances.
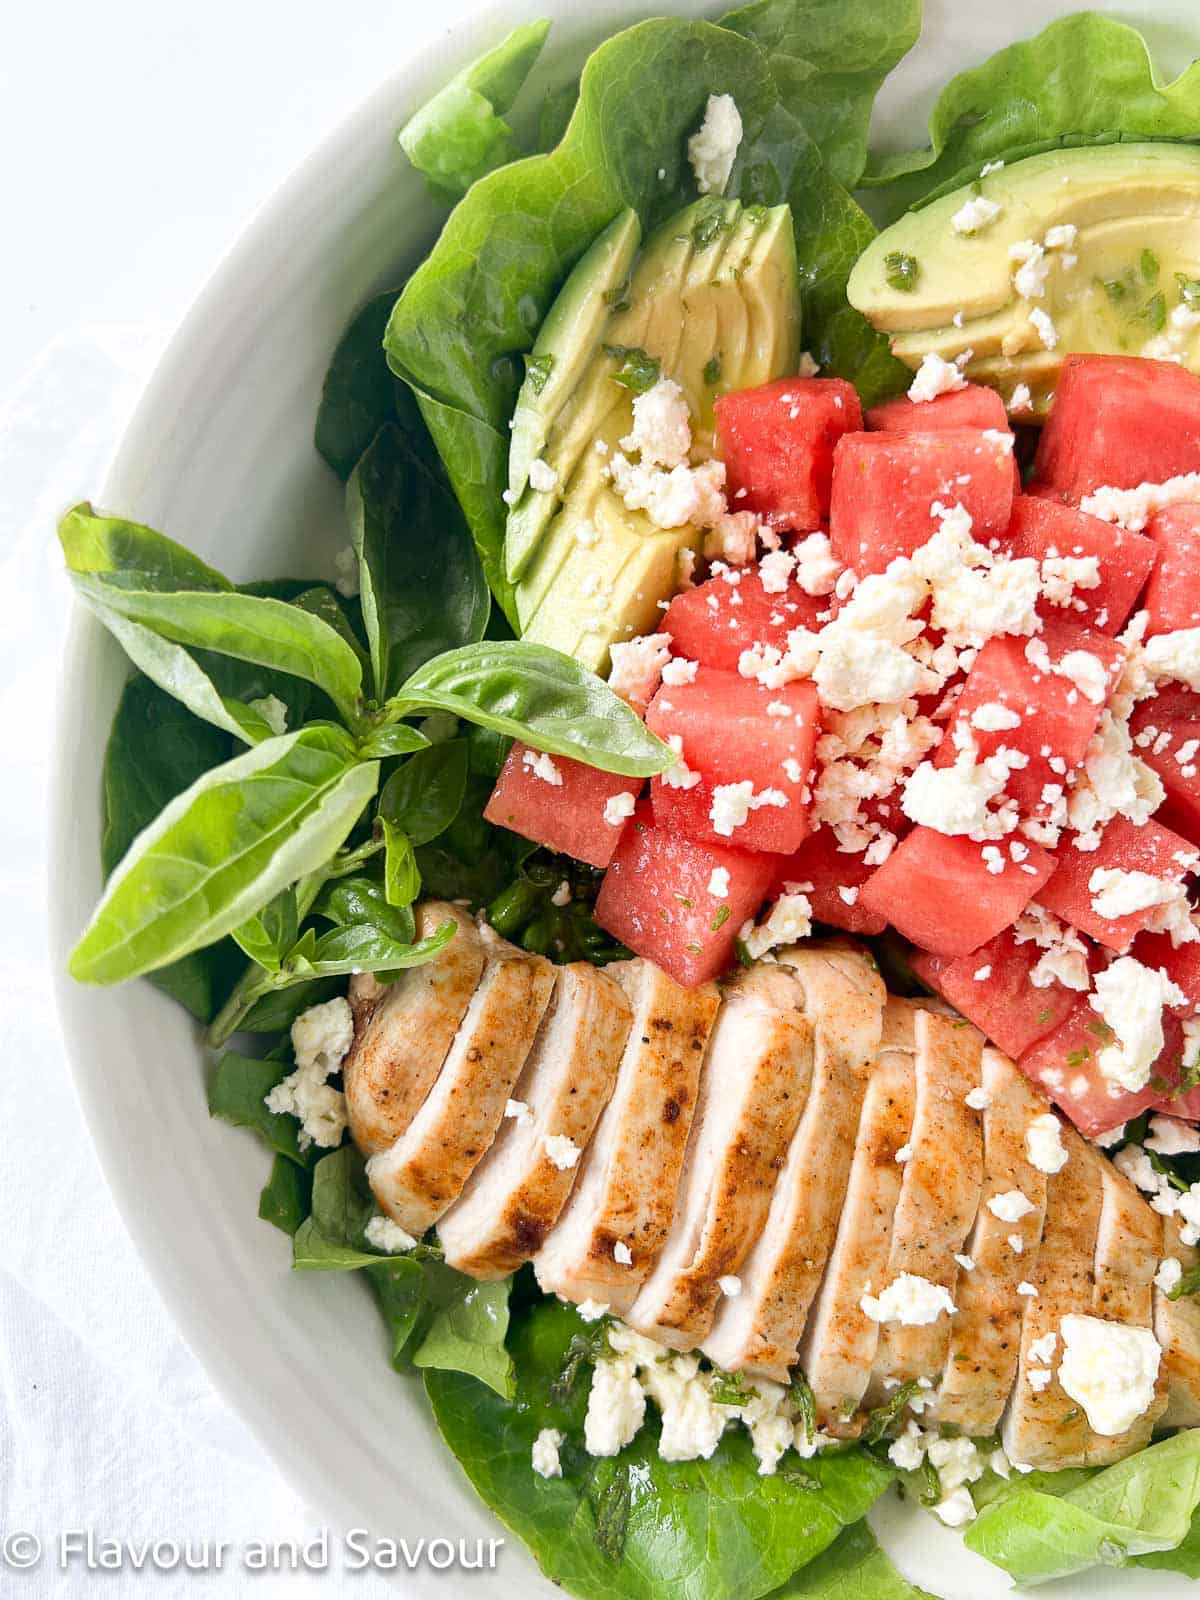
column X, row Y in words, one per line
column 397, row 739
column 271, row 932
column 422, row 588
column 270, row 633
column 540, row 696
column 286, row 1196
column 423, row 797
column 222, row 849
column 274, row 1011
column 362, row 949
column 358, row 395
column 237, row 1094
column 356, row 901
column 401, row 875
column 113, row 546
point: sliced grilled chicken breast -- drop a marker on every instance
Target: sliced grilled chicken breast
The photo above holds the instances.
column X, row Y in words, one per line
column 985, row 1335
column 1044, row 1427
column 618, row 1216
column 404, row 1030
column 752, row 1090
column 939, row 1192
column 843, row 998
column 515, row 1194
column 426, row 1169
column 840, row 1342
column 1177, row 1324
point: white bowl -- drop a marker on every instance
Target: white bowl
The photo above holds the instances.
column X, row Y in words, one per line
column 220, row 456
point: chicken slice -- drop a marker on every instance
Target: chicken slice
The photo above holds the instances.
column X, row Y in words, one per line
column 985, row 1334
column 1129, row 1247
column 403, row 1030
column 619, row 1214
column 843, row 998
column 1177, row 1324
column 939, row 1193
column 1044, row 1427
column 840, row 1341
column 752, row 1090
column 515, row 1195
column 426, row 1169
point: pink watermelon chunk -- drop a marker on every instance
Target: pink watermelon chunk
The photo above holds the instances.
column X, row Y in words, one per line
column 885, row 485
column 993, row 988
column 1125, row 846
column 777, row 445
column 1065, row 1064
column 1173, row 593
column 939, row 892
column 733, row 731
column 657, row 897
column 1119, row 421
column 714, row 622
column 976, row 406
column 1166, row 734
column 567, row 815
column 1044, row 528
column 833, row 875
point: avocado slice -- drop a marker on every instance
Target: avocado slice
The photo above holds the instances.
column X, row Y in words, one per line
column 712, row 302
column 1115, row 287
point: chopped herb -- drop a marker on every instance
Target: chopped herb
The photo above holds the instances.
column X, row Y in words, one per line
column 743, row 955
column 1154, row 313
column 901, row 270
column 1078, row 1057
column 1189, row 1284
column 796, row 1478
column 1100, row 1029
column 884, row 1417
column 1073, row 1415
column 611, row 1500
column 805, row 1403
column 1189, row 1075
column 1189, row 290
column 582, row 1351
column 729, row 1389
column 712, row 371
column 694, row 949
column 1117, row 289
column 538, row 370
column 1044, row 1017
column 1149, row 266
column 710, row 222
column 931, row 1484
column 721, row 918
column 618, row 297
column 635, row 369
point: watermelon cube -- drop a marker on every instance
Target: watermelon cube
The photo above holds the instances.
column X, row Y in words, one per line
column 1066, row 1066
column 558, row 803
column 714, row 622
column 1173, row 593
column 747, row 755
column 1044, row 529
column 1119, row 421
column 777, row 445
column 1166, row 735
column 836, row 877
column 941, row 893
column 1057, row 718
column 885, row 485
column 974, row 406
column 1124, row 846
column 993, row 988
column 658, row 898
column 1181, row 963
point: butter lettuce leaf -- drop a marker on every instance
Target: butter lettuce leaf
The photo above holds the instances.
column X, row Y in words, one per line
column 1085, row 79
column 1139, row 1507
column 635, row 1527
column 853, row 1568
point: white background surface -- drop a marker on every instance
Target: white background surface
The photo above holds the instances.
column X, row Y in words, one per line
column 138, row 139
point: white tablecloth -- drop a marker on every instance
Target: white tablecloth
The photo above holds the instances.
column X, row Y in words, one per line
column 138, row 137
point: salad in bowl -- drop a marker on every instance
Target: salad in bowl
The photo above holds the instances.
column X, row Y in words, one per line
column 699, row 909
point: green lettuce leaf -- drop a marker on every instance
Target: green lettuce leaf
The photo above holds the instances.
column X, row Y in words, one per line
column 1086, row 79
column 474, row 307
column 829, row 62
column 460, row 134
column 853, row 1568
column 1138, row 1507
column 635, row 1527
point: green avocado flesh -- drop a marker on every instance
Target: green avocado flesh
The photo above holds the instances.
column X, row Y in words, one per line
column 1116, row 288
column 712, row 301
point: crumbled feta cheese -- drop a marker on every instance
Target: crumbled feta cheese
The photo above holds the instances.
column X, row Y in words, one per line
column 904, row 1153
column 1171, row 1137
column 384, row 1234
column 1021, row 399
column 775, row 571
column 908, row 1450
column 563, row 1152
column 1040, row 1378
column 730, row 1285
column 808, row 366
column 662, row 425
column 561, row 895
column 1117, row 893
column 910, row 1300
column 967, row 1263
column 1016, row 1244
column 992, row 717
column 542, row 477
column 679, row 776
column 790, row 920
column 1043, row 1349
column 955, row 799
column 713, row 149
column 734, row 538
column 1130, row 997
column 979, row 1099
column 1060, row 237
column 616, row 1406
column 545, row 1453
column 732, row 804
column 542, row 766
column 1010, row 1206
column 622, row 1254
column 321, row 1039
column 1109, row 1369
column 1174, row 655
column 1168, row 1275
column 518, row 1112
column 955, row 1509
column 592, row 1310
column 1087, row 672
column 1062, row 575
column 817, row 569
column 618, row 808
column 1043, row 326
column 678, row 672
column 718, row 883
column 671, row 498
column 1133, row 508
column 1029, row 1291
column 935, row 376
column 975, row 214
column 1044, row 1147
column 638, row 666
column 1029, row 278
